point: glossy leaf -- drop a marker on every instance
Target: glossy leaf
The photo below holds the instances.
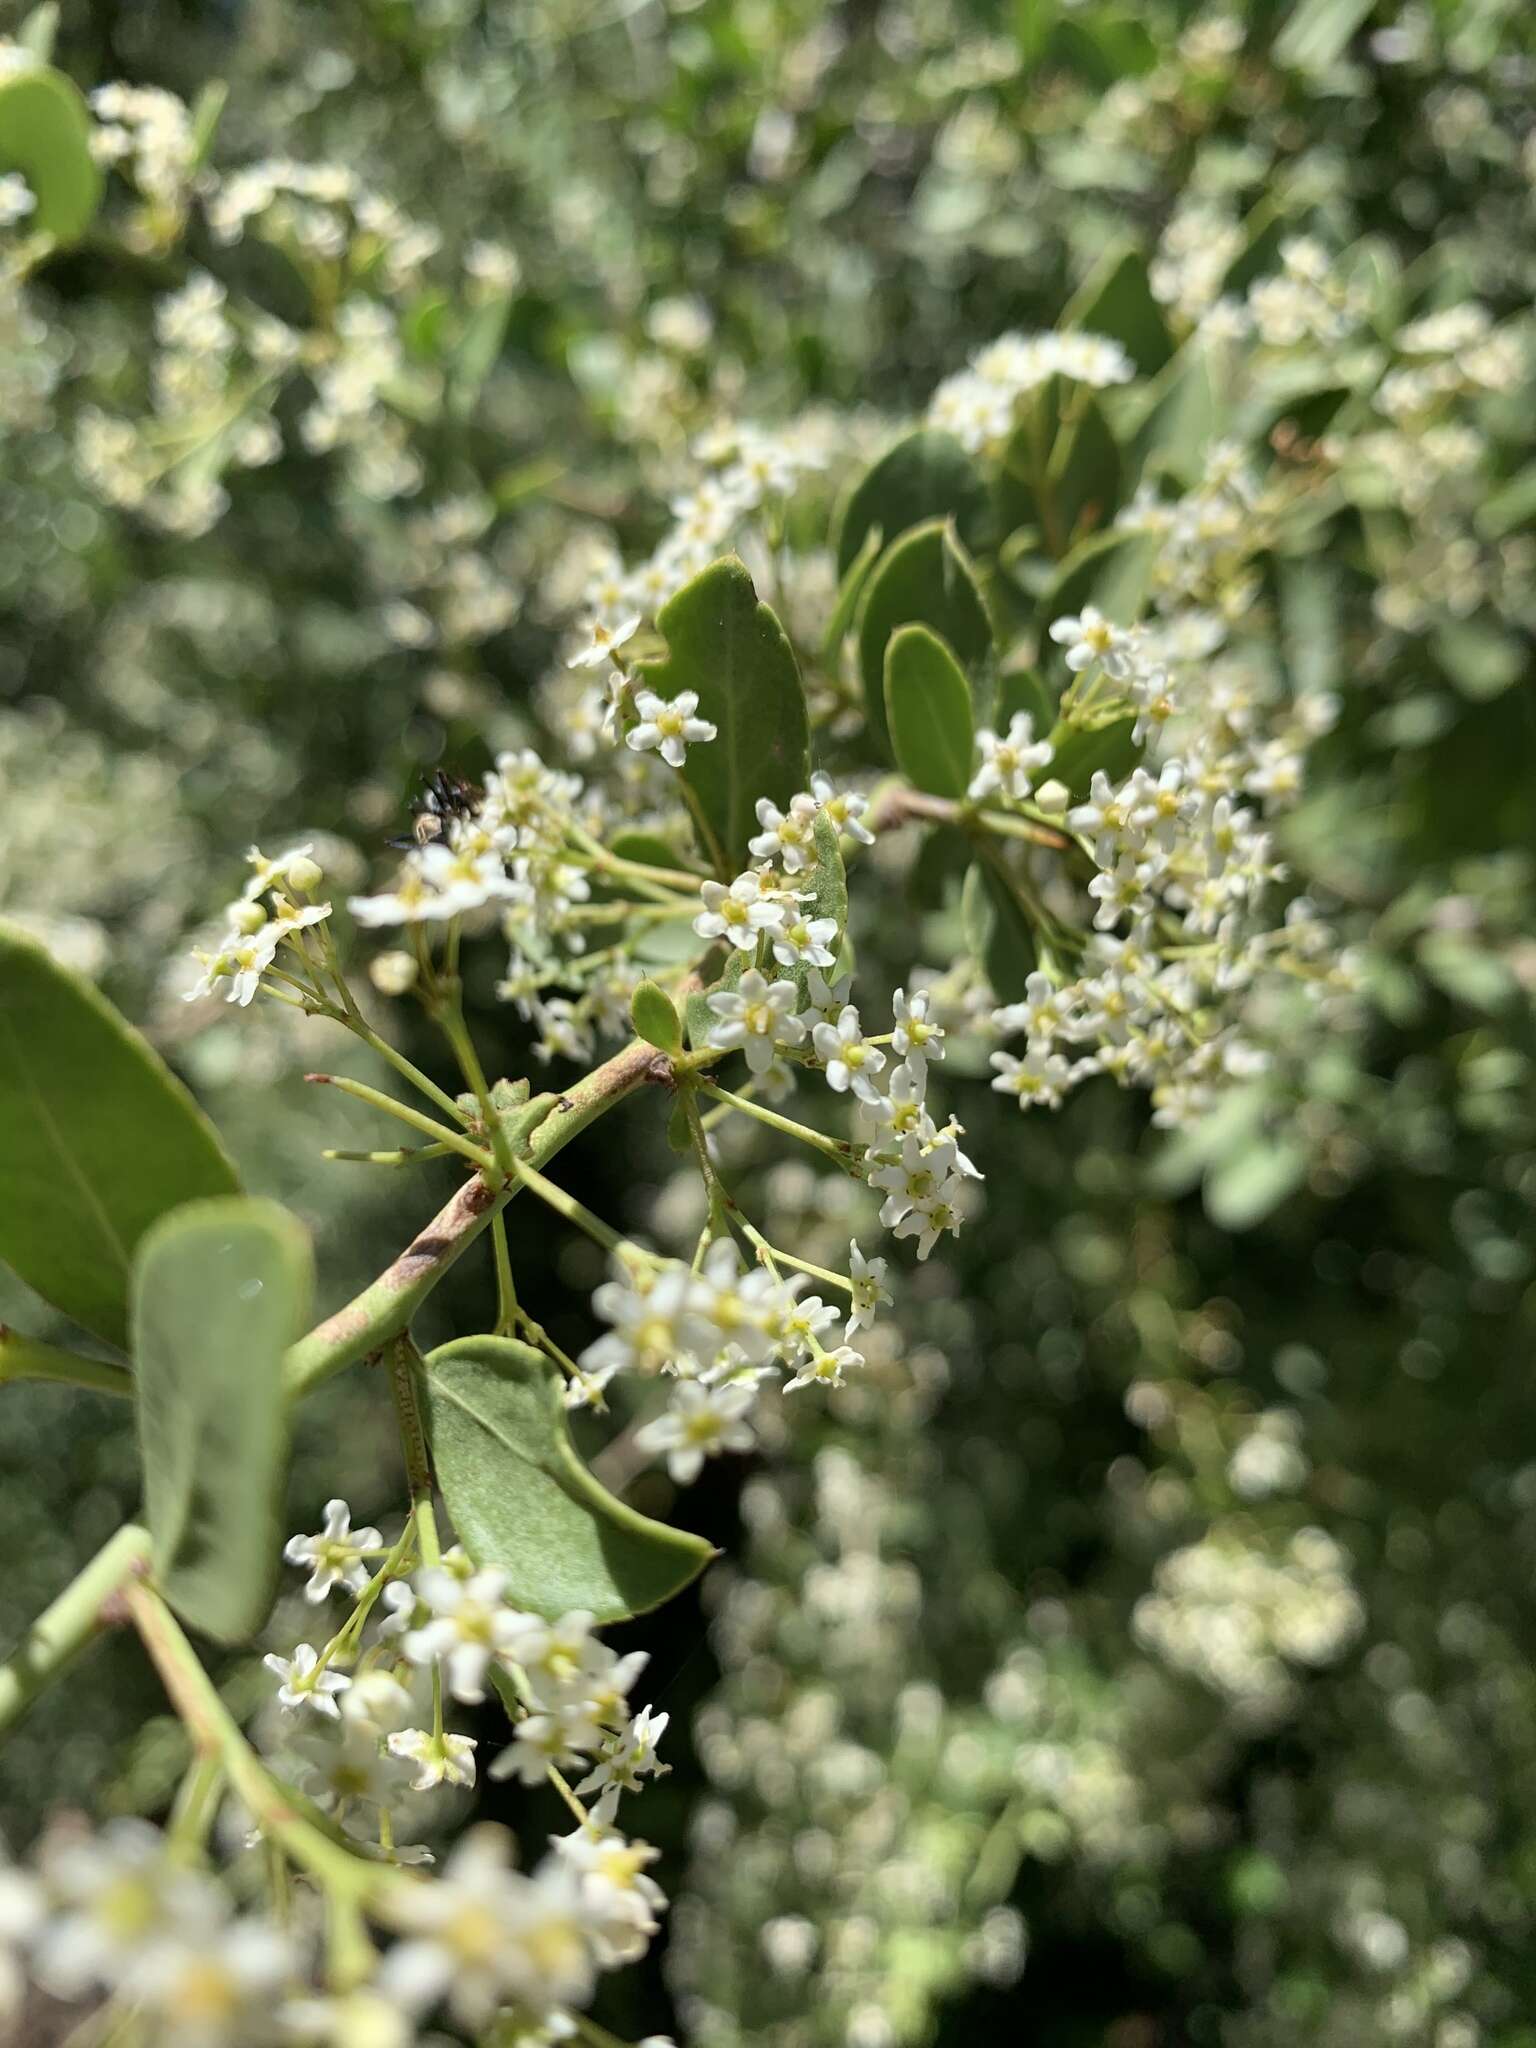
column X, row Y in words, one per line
column 732, row 650
column 522, row 1501
column 98, row 1139
column 928, row 708
column 997, row 931
column 1182, row 421
column 926, row 579
column 1084, row 751
column 1116, row 300
column 1110, row 570
column 1086, row 475
column 655, row 1017
column 45, row 134
column 849, row 590
column 220, row 1290
column 926, row 475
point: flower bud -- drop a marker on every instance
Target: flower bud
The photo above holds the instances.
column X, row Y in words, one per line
column 393, row 974
column 305, row 875
column 1053, row 795
column 248, row 917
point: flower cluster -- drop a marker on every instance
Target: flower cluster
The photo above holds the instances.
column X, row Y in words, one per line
column 979, row 405
column 257, row 927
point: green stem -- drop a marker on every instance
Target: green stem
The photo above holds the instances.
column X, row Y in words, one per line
column 451, row 1017
column 28, row 1358
column 506, row 1287
column 197, row 1806
column 835, row 1148
column 63, row 1629
column 408, row 1069
column 401, row 1155
column 383, row 1308
column 404, row 1358
column 377, row 1099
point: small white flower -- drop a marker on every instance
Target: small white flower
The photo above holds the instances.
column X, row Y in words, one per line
column 738, row 913
column 869, row 1291
column 335, row 1556
column 627, row 1758
column 1008, row 765
column 850, row 1061
column 439, row 1759
column 805, row 942
column 602, row 642
column 845, row 808
column 788, row 837
column 825, row 1368
column 916, row 1037
column 756, row 1017
column 700, row 1423
column 1089, row 637
column 669, row 727
column 471, row 1627
column 1040, row 1077
column 305, row 1684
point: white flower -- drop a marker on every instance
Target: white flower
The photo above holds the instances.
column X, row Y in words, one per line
column 700, row 1423
column 603, row 641
column 929, row 1223
column 825, row 1368
column 921, row 1177
column 845, row 808
column 899, row 1112
column 627, row 1758
column 827, row 998
column 619, row 1901
column 202, row 1988
column 849, row 1060
column 805, row 942
column 1089, row 637
column 305, row 1684
column 739, row 912
column 916, row 1037
column 670, row 727
column 657, row 1318
column 439, row 1759
column 1040, row 1077
column 756, row 1017
column 544, row 1741
column 1009, row 764
column 788, row 837
column 472, row 1937
column 464, row 877
column 335, row 1555
column 869, row 1291
column 471, row 1625
column 278, row 874
column 410, row 901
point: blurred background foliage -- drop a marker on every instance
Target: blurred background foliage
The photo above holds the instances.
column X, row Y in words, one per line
column 1142, row 1653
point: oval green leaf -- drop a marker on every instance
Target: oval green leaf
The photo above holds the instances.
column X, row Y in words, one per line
column 1081, row 752
column 925, row 475
column 732, row 651
column 655, row 1017
column 100, row 1139
column 1116, row 300
column 220, row 1290
column 522, row 1501
column 45, row 134
column 928, row 708
column 925, row 579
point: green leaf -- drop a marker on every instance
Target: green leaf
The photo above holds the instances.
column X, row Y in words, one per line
column 1082, row 751
column 1021, row 689
column 732, row 650
column 45, row 134
column 1116, row 300
column 522, row 1501
column 827, row 888
column 1085, row 474
column 1243, row 1189
column 1480, row 659
column 1182, row 421
column 220, row 1290
column 1110, row 570
column 849, row 590
column 207, row 112
column 655, row 1018
column 100, row 1139
column 925, row 579
column 475, row 356
column 928, row 708
column 1316, row 33
column 926, row 475
column 997, row 931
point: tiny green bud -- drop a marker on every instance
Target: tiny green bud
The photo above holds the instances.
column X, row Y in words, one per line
column 305, row 875
column 248, row 917
column 656, row 1019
